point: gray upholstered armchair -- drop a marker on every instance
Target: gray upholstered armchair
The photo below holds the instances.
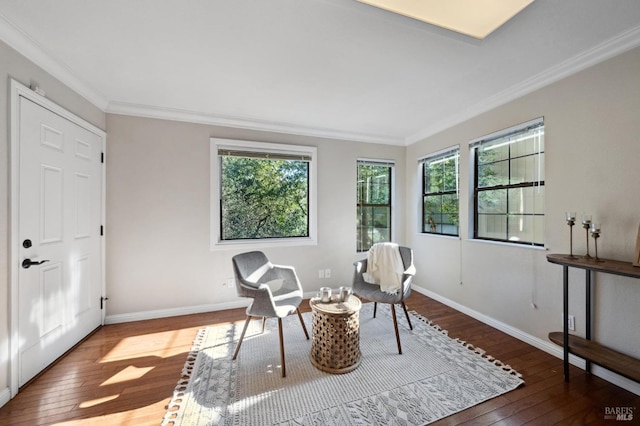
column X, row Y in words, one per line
column 255, row 277
column 373, row 293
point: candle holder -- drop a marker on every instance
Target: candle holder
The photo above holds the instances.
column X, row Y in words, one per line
column 571, row 221
column 586, row 224
column 595, row 233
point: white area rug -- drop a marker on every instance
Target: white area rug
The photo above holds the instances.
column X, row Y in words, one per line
column 434, row 377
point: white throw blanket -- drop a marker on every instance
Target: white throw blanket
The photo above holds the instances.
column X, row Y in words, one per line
column 385, row 267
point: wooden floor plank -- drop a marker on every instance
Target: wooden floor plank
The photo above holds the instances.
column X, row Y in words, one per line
column 125, row 374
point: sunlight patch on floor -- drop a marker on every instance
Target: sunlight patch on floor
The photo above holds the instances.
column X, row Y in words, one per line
column 98, row 401
column 137, row 346
column 129, row 373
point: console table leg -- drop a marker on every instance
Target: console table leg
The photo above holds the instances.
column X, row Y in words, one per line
column 565, row 318
column 588, row 314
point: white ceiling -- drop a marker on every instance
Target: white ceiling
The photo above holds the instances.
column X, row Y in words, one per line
column 334, row 68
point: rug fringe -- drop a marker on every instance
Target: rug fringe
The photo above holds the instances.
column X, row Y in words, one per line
column 175, row 404
column 469, row 346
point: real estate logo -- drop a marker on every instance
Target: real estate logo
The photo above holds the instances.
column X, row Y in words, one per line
column 624, row 414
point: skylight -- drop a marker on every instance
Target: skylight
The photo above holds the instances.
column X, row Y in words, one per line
column 475, row 18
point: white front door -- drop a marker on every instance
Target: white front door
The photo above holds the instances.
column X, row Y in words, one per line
column 59, row 236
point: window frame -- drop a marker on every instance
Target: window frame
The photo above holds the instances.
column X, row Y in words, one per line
column 216, row 144
column 494, row 139
column 434, row 157
column 376, row 162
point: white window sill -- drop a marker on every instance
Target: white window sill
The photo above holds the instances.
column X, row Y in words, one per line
column 261, row 244
column 507, row 244
column 447, row 237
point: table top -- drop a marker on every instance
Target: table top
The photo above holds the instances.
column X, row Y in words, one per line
column 349, row 306
column 602, row 265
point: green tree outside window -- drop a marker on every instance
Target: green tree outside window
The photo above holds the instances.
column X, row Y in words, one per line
column 263, row 198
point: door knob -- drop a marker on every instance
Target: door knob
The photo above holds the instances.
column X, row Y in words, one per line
column 27, row 263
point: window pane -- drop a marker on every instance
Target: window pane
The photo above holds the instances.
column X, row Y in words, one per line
column 529, row 200
column 263, row 198
column 373, row 184
column 380, row 235
column 530, row 143
column 365, row 217
column 538, row 230
column 381, row 217
column 524, row 169
column 540, row 165
column 450, row 216
column 493, row 174
column 432, row 216
column 492, row 201
column 432, row 205
column 376, row 229
column 491, row 154
column 434, row 178
column 526, row 228
column 450, row 175
column 492, row 226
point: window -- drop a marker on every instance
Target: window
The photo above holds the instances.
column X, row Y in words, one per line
column 509, row 185
column 373, row 203
column 440, row 193
column 262, row 193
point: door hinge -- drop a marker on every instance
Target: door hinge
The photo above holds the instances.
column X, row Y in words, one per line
column 102, row 157
column 102, row 300
column 101, row 230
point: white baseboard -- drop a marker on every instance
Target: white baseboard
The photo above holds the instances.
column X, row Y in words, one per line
column 544, row 345
column 187, row 310
column 174, row 312
column 5, row 396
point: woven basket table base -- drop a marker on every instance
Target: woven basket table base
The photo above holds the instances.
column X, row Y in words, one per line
column 335, row 347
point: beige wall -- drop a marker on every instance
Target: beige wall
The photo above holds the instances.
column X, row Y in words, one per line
column 158, row 255
column 592, row 123
column 14, row 65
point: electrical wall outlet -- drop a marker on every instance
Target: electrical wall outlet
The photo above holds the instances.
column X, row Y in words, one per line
column 320, row 273
column 327, row 273
column 572, row 323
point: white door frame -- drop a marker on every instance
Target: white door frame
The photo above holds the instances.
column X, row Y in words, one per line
column 19, row 90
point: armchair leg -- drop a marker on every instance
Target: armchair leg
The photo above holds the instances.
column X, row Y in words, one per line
column 395, row 325
column 304, row 327
column 375, row 308
column 406, row 314
column 244, row 330
column 284, row 368
column 264, row 323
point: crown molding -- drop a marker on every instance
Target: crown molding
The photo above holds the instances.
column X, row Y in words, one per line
column 124, row 108
column 20, row 41
column 600, row 53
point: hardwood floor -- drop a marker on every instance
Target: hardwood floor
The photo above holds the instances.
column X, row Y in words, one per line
column 124, row 374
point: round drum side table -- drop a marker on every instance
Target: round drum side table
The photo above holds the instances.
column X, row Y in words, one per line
column 335, row 347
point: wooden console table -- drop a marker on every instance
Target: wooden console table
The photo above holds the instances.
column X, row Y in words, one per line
column 585, row 347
